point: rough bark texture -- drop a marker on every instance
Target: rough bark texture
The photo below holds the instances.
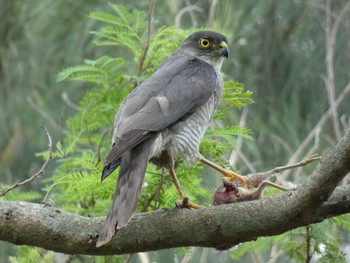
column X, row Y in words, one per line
column 316, row 199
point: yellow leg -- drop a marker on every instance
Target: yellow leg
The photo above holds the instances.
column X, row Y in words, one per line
column 183, row 202
column 229, row 176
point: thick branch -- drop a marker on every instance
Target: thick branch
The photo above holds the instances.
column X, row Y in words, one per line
column 220, row 226
column 32, row 224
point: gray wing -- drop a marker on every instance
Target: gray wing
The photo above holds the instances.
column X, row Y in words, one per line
column 176, row 89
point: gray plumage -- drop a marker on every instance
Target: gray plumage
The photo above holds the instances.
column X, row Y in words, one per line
column 162, row 119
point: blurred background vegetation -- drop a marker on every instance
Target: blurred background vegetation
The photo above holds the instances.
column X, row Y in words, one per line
column 293, row 55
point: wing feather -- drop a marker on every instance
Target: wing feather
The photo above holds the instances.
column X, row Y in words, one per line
column 177, row 88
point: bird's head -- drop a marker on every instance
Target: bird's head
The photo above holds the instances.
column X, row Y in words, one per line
column 209, row 46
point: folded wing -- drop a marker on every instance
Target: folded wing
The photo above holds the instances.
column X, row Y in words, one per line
column 176, row 89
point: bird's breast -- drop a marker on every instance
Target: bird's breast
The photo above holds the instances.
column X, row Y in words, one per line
column 182, row 139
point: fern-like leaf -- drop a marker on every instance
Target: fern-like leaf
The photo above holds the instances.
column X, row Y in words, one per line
column 234, row 94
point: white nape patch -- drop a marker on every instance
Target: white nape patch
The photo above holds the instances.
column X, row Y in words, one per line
column 163, row 104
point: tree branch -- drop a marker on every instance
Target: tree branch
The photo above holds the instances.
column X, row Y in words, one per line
column 222, row 226
column 318, row 126
column 36, row 175
column 149, row 28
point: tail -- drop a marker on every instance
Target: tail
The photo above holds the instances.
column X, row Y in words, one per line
column 133, row 165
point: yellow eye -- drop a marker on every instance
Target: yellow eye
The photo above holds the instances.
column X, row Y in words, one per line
column 204, row 42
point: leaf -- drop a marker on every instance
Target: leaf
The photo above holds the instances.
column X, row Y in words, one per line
column 234, row 94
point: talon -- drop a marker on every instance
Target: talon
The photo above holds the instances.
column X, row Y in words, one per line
column 177, row 204
column 244, row 183
column 231, row 176
column 227, row 180
column 182, row 203
column 228, row 183
column 186, row 203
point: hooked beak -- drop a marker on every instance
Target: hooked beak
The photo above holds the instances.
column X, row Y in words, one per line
column 223, row 49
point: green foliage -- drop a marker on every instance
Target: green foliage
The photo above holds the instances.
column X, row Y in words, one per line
column 218, row 142
column 259, row 246
column 103, row 71
column 320, row 240
column 332, row 253
column 317, row 239
column 111, row 259
column 18, row 195
column 124, row 28
column 235, row 95
column 28, row 254
column 342, row 221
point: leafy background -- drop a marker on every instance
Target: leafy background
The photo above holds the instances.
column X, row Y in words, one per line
column 278, row 50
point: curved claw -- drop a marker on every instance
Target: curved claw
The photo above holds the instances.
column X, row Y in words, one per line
column 186, row 203
column 231, row 176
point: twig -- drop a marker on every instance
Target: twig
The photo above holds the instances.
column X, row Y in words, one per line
column 36, row 175
column 245, row 160
column 69, row 103
column 239, row 140
column 145, row 49
column 193, row 17
column 256, row 258
column 188, row 257
column 282, row 142
column 155, row 196
column 308, row 245
column 312, row 149
column 189, row 9
column 321, row 7
column 345, row 121
column 275, row 254
column 45, row 115
column 211, row 12
column 331, row 34
column 204, row 255
column 130, row 257
column 143, row 257
column 339, row 19
column 318, row 125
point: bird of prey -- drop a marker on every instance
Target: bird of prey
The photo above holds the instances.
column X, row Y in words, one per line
column 164, row 119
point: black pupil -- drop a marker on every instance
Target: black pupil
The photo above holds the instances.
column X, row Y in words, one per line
column 205, row 42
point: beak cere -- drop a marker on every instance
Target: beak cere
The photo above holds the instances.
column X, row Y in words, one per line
column 223, row 49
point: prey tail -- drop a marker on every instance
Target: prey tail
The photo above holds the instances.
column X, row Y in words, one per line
column 132, row 172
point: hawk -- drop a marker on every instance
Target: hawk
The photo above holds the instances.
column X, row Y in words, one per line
column 163, row 119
